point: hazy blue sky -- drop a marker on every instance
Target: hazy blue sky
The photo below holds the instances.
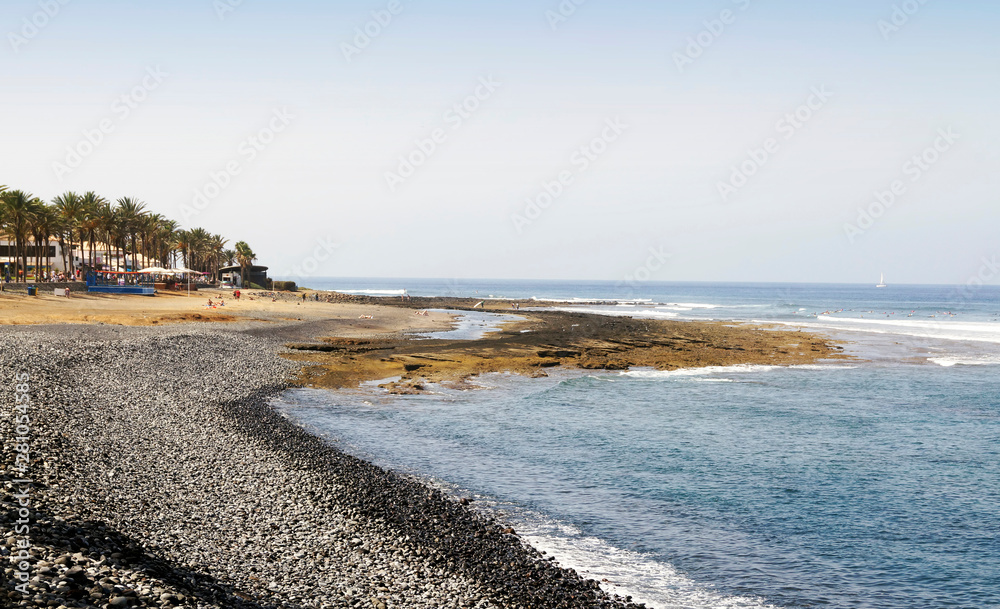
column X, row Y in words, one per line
column 641, row 109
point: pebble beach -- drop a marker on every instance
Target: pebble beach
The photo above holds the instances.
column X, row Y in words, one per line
column 160, row 475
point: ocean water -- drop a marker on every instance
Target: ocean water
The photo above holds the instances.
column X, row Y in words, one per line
column 872, row 483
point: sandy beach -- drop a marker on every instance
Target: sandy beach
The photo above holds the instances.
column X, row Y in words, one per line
column 162, row 476
column 176, row 307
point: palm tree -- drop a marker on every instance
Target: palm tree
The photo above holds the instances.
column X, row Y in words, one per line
column 18, row 215
column 216, row 245
column 131, row 216
column 245, row 257
column 44, row 223
column 182, row 244
column 167, row 240
column 71, row 209
column 198, row 248
column 91, row 223
column 111, row 229
column 148, row 228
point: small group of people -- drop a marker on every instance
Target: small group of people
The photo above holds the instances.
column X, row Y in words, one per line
column 53, row 276
column 315, row 297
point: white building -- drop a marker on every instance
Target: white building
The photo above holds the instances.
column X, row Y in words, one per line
column 52, row 260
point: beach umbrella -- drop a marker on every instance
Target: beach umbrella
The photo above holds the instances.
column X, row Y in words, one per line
column 186, row 271
column 153, row 269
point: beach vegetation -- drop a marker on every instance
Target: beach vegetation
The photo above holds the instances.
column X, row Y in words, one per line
column 70, row 207
column 96, row 234
column 18, row 215
column 244, row 257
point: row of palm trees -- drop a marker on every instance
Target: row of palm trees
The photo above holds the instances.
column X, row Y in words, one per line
column 92, row 225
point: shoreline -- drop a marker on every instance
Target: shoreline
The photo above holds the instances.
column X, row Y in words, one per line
column 166, row 477
column 191, row 489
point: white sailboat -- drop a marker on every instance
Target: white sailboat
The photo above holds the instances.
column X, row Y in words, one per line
column 881, row 280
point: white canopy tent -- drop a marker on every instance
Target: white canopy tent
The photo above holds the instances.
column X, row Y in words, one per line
column 183, row 271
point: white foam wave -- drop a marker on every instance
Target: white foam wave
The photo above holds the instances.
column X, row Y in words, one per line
column 714, row 370
column 610, row 301
column 944, row 329
column 628, row 573
column 615, row 312
column 982, row 360
column 693, row 305
column 703, row 371
column 372, row 292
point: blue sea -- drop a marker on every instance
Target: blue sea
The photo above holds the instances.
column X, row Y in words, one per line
column 868, row 483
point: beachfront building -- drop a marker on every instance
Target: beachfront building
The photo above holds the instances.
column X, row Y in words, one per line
column 51, row 257
column 117, row 261
column 55, row 258
column 234, row 275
